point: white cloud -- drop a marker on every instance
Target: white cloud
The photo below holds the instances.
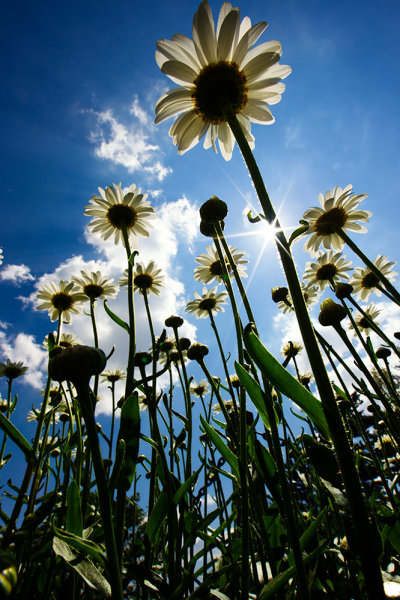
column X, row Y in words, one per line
column 25, row 348
column 174, row 228
column 129, row 145
column 16, row 274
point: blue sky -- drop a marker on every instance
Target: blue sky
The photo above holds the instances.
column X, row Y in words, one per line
column 77, row 106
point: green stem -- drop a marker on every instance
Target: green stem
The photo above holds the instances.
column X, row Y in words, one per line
column 358, row 507
column 390, row 288
column 85, row 402
column 132, row 330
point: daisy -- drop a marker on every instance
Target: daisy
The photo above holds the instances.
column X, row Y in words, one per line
column 60, row 300
column 12, row 370
column 362, row 322
column 114, row 211
column 209, row 302
column 219, row 75
column 200, row 389
column 328, row 268
column 365, row 282
column 291, row 349
column 66, row 340
column 338, row 212
column 310, row 294
column 229, row 405
column 1, row 256
column 112, row 376
column 146, row 279
column 211, row 268
column 94, row 285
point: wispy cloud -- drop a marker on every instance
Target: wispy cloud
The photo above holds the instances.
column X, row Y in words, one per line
column 129, row 145
column 16, row 274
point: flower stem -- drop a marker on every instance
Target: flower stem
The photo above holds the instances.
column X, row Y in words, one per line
column 358, row 507
column 390, row 288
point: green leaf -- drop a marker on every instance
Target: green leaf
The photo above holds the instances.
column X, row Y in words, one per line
column 16, row 436
column 279, row 581
column 285, row 382
column 157, row 516
column 74, row 512
column 221, row 447
column 186, row 486
column 257, row 396
column 115, row 317
column 297, row 233
column 85, row 547
column 129, row 431
column 83, row 566
column 308, row 534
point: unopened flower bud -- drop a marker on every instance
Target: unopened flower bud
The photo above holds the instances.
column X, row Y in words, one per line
column 185, row 343
column 331, row 313
column 213, row 209
column 197, row 352
column 173, row 321
column 279, row 294
column 142, row 359
column 383, row 352
column 76, row 363
column 208, row 229
column 343, row 290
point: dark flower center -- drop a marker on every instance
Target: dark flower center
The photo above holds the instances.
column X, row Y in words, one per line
column 93, row 291
column 327, row 223
column 113, row 378
column 62, row 301
column 143, row 281
column 12, row 372
column 122, row 215
column 363, row 322
column 207, row 304
column 370, row 280
column 219, row 89
column 326, row 272
column 199, row 390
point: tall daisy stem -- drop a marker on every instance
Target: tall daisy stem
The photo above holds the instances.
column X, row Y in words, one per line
column 131, row 309
column 390, row 288
column 362, row 524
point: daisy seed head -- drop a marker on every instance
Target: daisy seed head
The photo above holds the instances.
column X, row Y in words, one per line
column 343, row 290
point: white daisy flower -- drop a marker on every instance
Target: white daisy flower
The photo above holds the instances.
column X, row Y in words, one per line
column 112, row 375
column 145, row 279
column 66, row 340
column 310, row 294
column 365, row 282
column 12, row 370
column 338, row 211
column 211, row 268
column 60, row 300
column 327, row 268
column 219, row 74
column 210, row 301
column 94, row 285
column 200, row 389
column 113, row 211
column 362, row 322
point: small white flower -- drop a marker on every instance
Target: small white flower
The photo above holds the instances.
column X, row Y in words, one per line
column 94, row 285
column 60, row 300
column 210, row 301
column 211, row 269
column 114, row 211
column 327, row 268
column 365, row 281
column 338, row 211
